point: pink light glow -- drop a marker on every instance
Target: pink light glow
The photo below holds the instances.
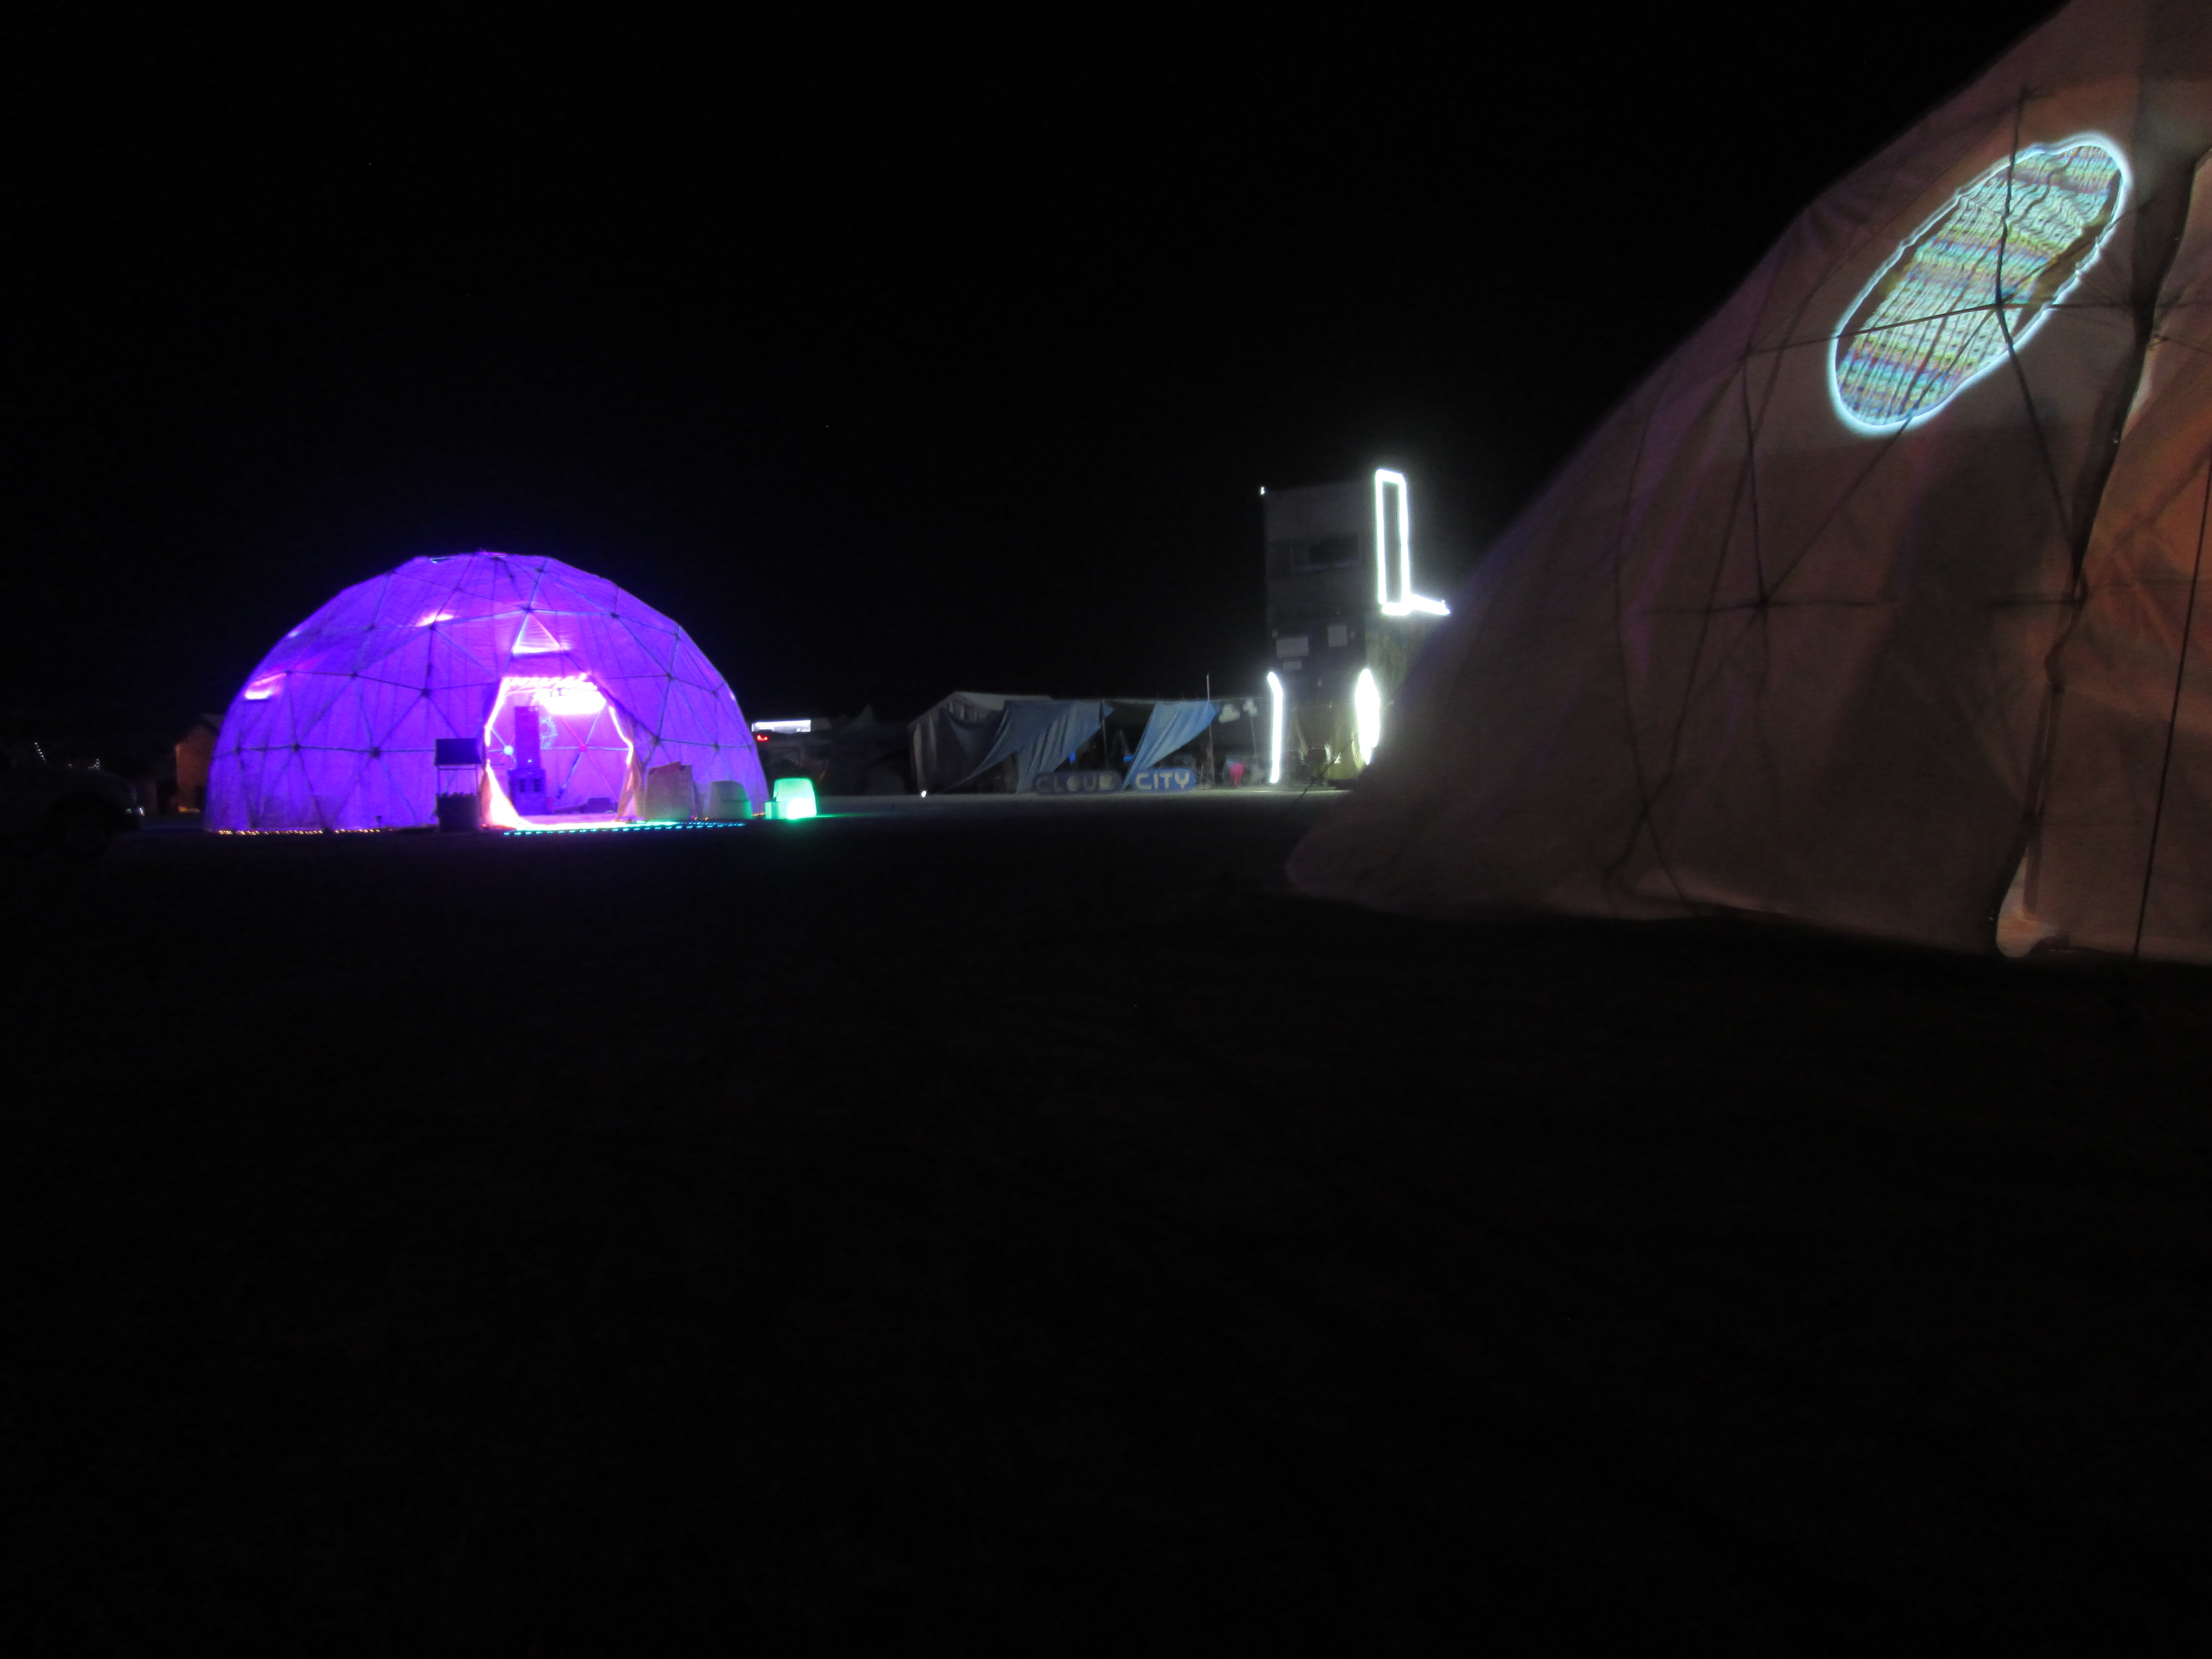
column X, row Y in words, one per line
column 498, row 812
column 536, row 640
column 558, row 694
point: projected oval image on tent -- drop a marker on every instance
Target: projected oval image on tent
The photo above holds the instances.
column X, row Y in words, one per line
column 1975, row 282
column 578, row 706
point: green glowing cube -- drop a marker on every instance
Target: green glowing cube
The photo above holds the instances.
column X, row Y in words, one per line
column 793, row 799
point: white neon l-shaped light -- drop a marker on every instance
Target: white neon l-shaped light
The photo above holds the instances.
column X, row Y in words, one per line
column 1408, row 603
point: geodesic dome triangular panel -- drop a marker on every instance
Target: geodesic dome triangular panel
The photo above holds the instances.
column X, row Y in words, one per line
column 337, row 727
column 1881, row 591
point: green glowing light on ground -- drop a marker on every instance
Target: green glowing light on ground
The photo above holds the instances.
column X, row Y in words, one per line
column 794, row 798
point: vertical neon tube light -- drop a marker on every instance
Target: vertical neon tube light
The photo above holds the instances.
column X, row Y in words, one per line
column 1384, row 482
column 1367, row 708
column 1275, row 752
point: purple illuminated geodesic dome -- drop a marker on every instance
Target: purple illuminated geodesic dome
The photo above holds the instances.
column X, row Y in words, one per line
column 335, row 729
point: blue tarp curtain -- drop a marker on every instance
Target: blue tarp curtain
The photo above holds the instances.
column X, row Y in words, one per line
column 1040, row 734
column 1171, row 726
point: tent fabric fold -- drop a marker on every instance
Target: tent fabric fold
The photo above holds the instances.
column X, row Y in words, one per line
column 1886, row 585
column 1170, row 726
column 1039, row 733
column 946, row 742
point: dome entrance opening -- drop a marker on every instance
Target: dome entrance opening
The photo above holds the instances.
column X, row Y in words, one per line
column 557, row 752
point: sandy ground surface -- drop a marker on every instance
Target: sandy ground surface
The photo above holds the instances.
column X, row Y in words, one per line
column 1021, row 1224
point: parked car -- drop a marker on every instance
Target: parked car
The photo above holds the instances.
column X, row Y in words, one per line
column 70, row 811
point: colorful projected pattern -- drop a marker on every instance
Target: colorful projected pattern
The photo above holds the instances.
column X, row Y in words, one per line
column 1976, row 279
column 335, row 729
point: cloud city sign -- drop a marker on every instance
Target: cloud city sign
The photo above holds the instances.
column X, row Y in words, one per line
column 1164, row 780
column 1078, row 783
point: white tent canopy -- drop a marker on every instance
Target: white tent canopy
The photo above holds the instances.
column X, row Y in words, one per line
column 1883, row 589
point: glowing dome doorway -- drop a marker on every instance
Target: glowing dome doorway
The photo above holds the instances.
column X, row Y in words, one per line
column 557, row 754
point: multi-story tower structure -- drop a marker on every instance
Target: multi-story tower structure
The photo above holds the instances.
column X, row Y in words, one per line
column 1343, row 618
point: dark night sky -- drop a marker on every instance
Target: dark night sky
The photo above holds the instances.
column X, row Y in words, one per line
column 885, row 363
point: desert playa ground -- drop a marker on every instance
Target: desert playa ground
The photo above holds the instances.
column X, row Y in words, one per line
column 1023, row 1225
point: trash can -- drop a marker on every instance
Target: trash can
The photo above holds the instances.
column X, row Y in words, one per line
column 668, row 793
column 728, row 801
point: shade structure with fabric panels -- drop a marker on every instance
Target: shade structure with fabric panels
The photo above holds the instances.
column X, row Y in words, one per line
column 1879, row 601
column 965, row 735
column 574, row 690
